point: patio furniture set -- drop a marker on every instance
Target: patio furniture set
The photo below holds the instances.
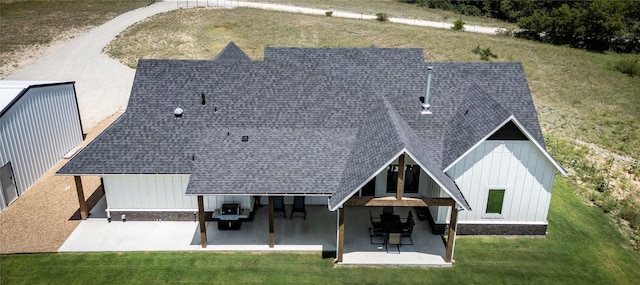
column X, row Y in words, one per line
column 390, row 228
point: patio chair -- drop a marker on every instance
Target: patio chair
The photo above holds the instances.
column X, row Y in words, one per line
column 393, row 238
column 278, row 205
column 387, row 210
column 407, row 232
column 377, row 235
column 376, row 223
column 375, row 231
column 298, row 206
column 405, row 225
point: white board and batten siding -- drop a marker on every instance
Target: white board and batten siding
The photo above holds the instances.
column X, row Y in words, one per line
column 519, row 168
column 159, row 192
column 37, row 130
column 165, row 192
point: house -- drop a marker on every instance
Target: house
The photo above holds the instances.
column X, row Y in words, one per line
column 39, row 124
column 343, row 127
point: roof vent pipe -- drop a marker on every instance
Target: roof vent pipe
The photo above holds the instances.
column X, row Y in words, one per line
column 203, row 99
column 425, row 103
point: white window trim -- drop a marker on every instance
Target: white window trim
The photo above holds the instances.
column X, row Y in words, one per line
column 486, row 215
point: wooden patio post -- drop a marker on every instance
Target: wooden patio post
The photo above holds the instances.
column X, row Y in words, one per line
column 340, row 234
column 272, row 241
column 203, row 226
column 453, row 221
column 400, row 188
column 83, row 204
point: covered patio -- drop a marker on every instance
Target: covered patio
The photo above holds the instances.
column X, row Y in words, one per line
column 316, row 233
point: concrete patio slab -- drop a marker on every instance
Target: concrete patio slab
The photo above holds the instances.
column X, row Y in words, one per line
column 316, row 233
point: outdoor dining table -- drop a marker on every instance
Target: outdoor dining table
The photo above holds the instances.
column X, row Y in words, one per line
column 391, row 224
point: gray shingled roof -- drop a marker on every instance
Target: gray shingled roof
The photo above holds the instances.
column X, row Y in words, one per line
column 231, row 52
column 319, row 121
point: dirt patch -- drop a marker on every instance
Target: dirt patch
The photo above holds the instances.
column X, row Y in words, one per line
column 622, row 182
column 45, row 215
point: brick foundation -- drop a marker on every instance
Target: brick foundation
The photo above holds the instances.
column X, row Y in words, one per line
column 489, row 229
column 159, row 215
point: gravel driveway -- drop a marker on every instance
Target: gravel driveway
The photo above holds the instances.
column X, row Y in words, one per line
column 102, row 84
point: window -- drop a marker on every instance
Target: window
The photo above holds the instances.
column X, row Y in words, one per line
column 494, row 201
column 411, row 178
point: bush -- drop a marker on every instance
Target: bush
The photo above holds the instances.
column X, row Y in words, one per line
column 458, row 25
column 609, row 204
column 631, row 215
column 602, row 184
column 485, row 54
column 382, row 17
column 505, row 32
column 328, row 13
column 628, row 67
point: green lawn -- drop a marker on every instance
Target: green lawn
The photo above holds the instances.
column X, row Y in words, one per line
column 582, row 248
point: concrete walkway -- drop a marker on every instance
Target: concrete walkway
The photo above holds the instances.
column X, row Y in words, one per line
column 341, row 14
column 103, row 84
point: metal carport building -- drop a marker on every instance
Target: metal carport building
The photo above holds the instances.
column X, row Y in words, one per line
column 39, row 124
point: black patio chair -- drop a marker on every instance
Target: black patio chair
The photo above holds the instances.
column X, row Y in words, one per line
column 298, row 206
column 405, row 224
column 387, row 210
column 375, row 231
column 393, row 238
column 376, row 223
column 407, row 232
column 278, row 205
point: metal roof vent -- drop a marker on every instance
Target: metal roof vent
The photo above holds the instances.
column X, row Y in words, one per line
column 204, row 101
column 425, row 100
column 178, row 112
column 245, row 138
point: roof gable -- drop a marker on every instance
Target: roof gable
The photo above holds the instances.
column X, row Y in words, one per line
column 231, row 52
column 476, row 117
column 379, row 142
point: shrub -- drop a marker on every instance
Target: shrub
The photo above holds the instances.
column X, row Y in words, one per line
column 458, row 25
column 505, row 32
column 485, row 54
column 628, row 67
column 609, row 204
column 382, row 17
column 328, row 13
column 632, row 216
column 602, row 184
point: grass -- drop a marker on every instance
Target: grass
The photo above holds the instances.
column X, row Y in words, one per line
column 28, row 23
column 581, row 248
column 393, row 8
